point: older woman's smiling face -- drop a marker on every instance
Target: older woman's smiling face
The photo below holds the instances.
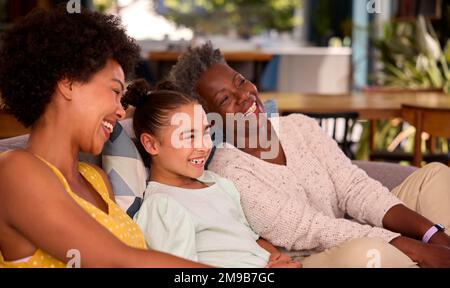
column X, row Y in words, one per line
column 227, row 91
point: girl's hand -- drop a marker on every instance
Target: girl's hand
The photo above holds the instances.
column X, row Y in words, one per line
column 292, row 264
column 278, row 256
column 281, row 260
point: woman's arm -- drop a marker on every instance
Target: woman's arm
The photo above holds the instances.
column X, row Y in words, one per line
column 426, row 255
column 360, row 196
column 41, row 210
column 284, row 217
column 413, row 226
column 409, row 223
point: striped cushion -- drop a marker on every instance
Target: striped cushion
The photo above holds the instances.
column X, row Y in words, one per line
column 126, row 171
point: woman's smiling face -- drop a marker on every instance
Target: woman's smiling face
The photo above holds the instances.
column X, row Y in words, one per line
column 227, row 91
column 98, row 107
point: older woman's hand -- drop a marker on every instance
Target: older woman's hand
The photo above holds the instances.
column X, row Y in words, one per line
column 440, row 238
column 435, row 256
column 426, row 255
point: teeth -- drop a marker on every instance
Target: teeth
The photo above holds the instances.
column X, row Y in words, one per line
column 251, row 109
column 108, row 126
column 197, row 161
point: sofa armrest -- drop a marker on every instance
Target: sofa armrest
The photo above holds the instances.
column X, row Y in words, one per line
column 389, row 174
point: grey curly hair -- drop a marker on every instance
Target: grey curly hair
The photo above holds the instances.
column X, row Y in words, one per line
column 190, row 66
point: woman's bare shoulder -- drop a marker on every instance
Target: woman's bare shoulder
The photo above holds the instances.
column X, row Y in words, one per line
column 17, row 160
column 20, row 170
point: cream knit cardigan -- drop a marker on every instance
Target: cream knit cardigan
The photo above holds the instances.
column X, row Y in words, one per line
column 301, row 206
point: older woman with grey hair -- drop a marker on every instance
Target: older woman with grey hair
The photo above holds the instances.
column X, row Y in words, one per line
column 298, row 198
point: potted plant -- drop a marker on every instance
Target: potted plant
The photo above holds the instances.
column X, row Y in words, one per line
column 412, row 58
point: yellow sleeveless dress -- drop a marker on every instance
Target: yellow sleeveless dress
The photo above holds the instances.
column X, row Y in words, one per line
column 116, row 221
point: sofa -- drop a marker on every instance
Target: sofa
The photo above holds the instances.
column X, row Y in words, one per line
column 390, row 175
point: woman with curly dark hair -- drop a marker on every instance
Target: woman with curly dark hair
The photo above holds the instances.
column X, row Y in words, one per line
column 63, row 75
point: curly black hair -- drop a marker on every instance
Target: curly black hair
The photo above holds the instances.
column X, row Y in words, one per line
column 47, row 46
column 191, row 64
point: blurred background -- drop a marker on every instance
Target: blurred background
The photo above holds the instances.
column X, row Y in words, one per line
column 341, row 44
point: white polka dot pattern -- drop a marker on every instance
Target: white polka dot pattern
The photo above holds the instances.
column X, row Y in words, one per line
column 116, row 221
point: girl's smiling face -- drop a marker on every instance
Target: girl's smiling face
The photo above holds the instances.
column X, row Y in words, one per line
column 180, row 149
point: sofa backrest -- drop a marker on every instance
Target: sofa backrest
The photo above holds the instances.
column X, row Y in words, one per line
column 19, row 142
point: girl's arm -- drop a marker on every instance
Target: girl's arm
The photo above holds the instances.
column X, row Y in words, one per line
column 268, row 246
column 167, row 226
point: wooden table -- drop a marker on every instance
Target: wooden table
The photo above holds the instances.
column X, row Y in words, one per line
column 370, row 106
column 258, row 58
column 239, row 56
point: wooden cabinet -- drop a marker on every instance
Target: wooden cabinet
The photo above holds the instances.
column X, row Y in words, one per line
column 9, row 126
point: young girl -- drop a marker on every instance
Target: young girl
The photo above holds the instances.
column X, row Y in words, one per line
column 189, row 212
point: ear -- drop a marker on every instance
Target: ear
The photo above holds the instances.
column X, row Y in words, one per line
column 150, row 144
column 64, row 86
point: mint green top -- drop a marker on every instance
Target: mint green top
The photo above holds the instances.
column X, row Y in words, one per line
column 205, row 225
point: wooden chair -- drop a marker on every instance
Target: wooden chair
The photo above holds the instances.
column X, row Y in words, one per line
column 435, row 121
column 398, row 154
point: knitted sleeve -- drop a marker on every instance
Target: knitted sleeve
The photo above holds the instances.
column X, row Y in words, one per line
column 289, row 221
column 362, row 197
